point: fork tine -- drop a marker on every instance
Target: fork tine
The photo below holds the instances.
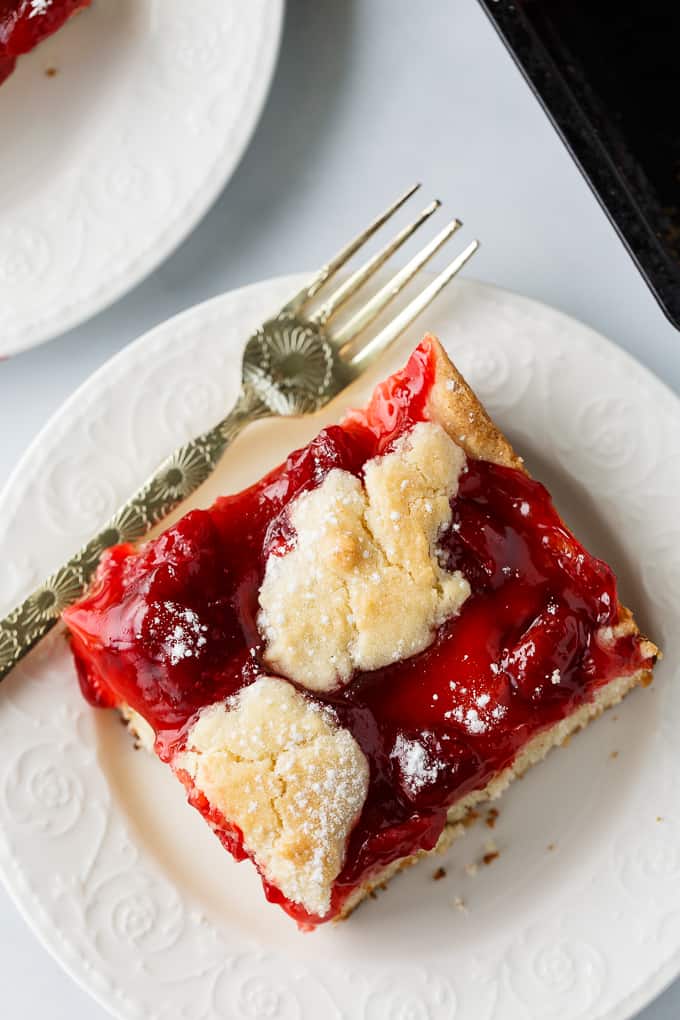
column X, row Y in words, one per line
column 365, row 354
column 343, row 256
column 363, row 273
column 348, row 333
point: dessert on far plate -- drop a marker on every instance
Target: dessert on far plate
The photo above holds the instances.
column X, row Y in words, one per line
column 25, row 23
column 341, row 660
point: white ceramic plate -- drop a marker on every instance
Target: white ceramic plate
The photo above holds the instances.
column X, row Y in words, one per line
column 130, row 890
column 107, row 166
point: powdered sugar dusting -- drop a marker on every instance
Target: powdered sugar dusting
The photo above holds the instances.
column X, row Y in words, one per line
column 39, row 7
column 419, row 767
column 478, row 718
column 281, row 768
column 177, row 631
column 473, row 722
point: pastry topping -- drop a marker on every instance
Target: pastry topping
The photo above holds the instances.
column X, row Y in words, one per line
column 363, row 586
column 280, row 768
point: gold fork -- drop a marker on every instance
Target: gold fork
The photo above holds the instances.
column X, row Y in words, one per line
column 294, row 364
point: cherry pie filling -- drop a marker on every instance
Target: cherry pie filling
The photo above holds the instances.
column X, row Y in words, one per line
column 25, row 23
column 521, row 655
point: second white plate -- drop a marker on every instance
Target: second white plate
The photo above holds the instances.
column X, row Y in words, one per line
column 107, row 165
column 578, row 919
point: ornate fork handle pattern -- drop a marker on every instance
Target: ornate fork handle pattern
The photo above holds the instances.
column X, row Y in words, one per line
column 176, row 478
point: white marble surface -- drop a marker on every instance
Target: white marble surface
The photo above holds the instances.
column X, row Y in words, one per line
column 369, row 96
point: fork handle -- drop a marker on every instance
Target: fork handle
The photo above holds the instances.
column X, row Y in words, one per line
column 176, row 478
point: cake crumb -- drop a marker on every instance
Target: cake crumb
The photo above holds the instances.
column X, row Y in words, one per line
column 439, row 874
column 51, row 72
column 550, row 847
column 459, row 904
column 659, row 818
column 318, row 614
column 471, row 870
column 614, row 754
column 470, row 818
column 491, row 817
column 491, row 852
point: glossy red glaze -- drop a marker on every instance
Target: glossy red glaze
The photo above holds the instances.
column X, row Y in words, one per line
column 171, row 628
column 25, row 23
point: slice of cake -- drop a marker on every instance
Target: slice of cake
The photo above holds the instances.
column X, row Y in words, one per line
column 341, row 660
column 25, row 23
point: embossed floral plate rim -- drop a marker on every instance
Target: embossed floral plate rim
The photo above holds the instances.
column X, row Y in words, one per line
column 116, row 914
column 66, row 238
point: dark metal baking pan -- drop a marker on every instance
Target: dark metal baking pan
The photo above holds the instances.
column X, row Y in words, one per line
column 608, row 74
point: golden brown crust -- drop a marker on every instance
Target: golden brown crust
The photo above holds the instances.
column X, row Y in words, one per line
column 454, row 406
column 627, row 627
